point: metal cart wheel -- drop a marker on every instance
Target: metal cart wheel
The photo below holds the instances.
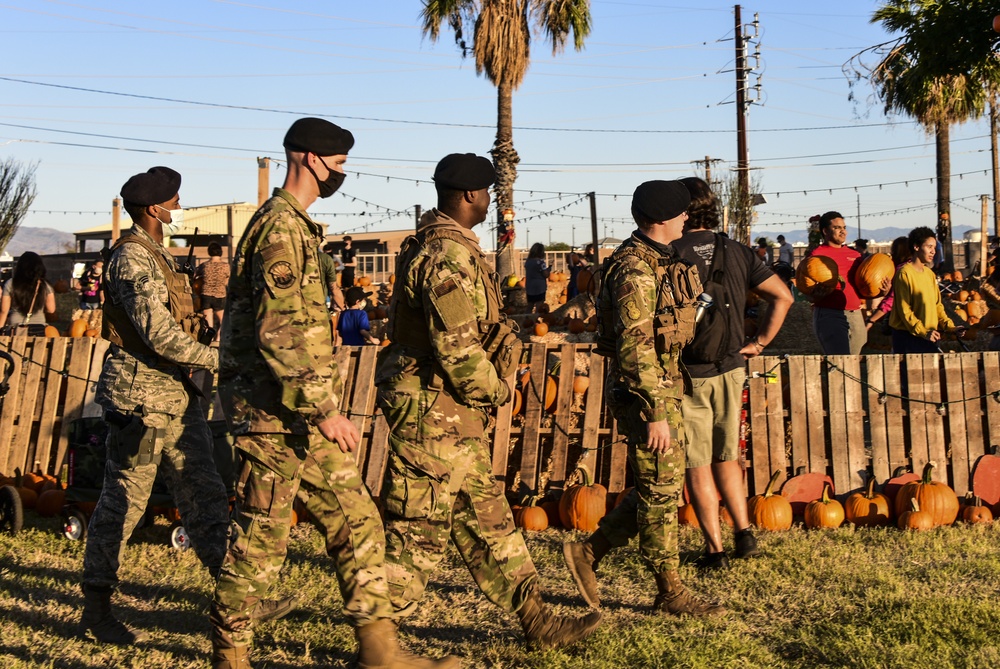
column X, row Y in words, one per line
column 11, row 511
column 75, row 524
column 178, row 537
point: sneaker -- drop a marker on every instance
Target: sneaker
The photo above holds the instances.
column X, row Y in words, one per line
column 713, row 561
column 746, row 544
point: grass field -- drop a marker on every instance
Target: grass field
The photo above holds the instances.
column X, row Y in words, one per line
column 843, row 598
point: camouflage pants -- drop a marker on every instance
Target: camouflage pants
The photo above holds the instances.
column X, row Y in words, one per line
column 440, row 484
column 277, row 468
column 186, row 450
column 650, row 510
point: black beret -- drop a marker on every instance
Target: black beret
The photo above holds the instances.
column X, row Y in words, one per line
column 661, row 200
column 319, row 136
column 157, row 185
column 464, row 171
column 354, row 294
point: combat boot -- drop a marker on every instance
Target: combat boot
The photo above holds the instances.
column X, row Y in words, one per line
column 273, row 609
column 231, row 658
column 378, row 648
column 98, row 621
column 675, row 599
column 543, row 629
column 582, row 559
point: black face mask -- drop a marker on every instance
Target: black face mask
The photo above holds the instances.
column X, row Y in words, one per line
column 332, row 183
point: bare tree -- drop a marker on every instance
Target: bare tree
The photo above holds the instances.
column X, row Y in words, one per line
column 738, row 204
column 17, row 192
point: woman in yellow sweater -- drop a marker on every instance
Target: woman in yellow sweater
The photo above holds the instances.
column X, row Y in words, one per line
column 918, row 317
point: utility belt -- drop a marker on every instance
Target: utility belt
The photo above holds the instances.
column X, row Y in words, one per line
column 132, row 443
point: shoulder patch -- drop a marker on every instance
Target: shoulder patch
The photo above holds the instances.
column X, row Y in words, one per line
column 631, row 311
column 624, row 290
column 446, row 287
column 272, row 252
column 282, row 274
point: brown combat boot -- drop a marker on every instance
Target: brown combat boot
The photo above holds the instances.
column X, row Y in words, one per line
column 273, row 609
column 98, row 622
column 582, row 559
column 231, row 658
column 543, row 629
column 675, row 599
column 378, row 648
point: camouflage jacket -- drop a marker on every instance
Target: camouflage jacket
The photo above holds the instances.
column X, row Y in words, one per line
column 135, row 283
column 443, row 291
column 277, row 372
column 648, row 371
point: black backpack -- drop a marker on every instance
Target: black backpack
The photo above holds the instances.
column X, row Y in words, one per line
column 711, row 337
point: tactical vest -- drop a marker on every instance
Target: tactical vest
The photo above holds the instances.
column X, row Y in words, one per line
column 497, row 334
column 118, row 327
column 678, row 288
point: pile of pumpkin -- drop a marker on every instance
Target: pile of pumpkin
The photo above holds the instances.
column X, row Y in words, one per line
column 581, row 507
column 970, row 307
column 539, row 325
column 523, row 384
column 41, row 492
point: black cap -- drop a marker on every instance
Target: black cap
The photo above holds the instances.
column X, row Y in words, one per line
column 464, row 171
column 661, row 200
column 319, row 136
column 157, row 185
column 353, row 295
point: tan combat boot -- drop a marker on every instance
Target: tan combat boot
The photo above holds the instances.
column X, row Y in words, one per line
column 231, row 658
column 97, row 620
column 675, row 599
column 543, row 629
column 582, row 559
column 378, row 648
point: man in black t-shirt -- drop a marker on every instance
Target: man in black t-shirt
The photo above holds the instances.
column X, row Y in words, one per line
column 712, row 410
column 347, row 257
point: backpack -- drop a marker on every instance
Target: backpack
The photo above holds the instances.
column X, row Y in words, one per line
column 712, row 336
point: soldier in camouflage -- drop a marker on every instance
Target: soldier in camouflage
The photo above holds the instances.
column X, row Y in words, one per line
column 646, row 315
column 281, row 392
column 438, row 383
column 154, row 416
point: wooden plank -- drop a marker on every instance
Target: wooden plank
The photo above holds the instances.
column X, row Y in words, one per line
column 773, row 382
column 378, row 455
column 16, row 347
column 977, row 440
column 533, row 410
column 857, row 457
column 77, row 367
column 816, row 413
column 561, row 425
column 875, row 375
column 837, row 414
column 957, row 420
column 894, row 411
column 916, row 411
column 50, row 405
column 936, row 447
column 799, row 413
column 760, row 457
column 501, row 437
column 363, row 398
column 90, row 407
column 991, row 378
column 36, row 354
column 592, row 424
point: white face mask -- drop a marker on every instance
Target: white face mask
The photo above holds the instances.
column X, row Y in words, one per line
column 176, row 220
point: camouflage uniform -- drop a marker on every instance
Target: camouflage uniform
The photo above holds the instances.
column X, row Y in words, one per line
column 644, row 384
column 148, row 400
column 437, row 389
column 278, row 379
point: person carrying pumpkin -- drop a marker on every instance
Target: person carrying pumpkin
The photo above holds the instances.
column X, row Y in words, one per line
column 439, row 381
column 646, row 315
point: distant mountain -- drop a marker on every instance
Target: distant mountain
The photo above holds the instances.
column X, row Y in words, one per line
column 882, row 235
column 40, row 240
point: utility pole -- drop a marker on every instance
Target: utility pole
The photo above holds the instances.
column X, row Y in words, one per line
column 742, row 153
column 707, row 162
column 592, row 196
column 859, row 215
column 550, row 235
column 263, row 179
column 573, row 238
column 984, row 247
column 418, row 210
column 996, row 167
column 116, row 219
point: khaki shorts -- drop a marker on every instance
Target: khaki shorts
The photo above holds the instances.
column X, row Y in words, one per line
column 712, row 418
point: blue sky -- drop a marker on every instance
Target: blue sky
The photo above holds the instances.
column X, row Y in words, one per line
column 84, row 89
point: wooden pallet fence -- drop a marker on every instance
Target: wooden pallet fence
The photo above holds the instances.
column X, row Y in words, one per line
column 848, row 417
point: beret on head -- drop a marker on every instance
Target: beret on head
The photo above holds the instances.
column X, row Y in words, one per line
column 354, row 294
column 319, row 136
column 157, row 185
column 464, row 171
column 661, row 200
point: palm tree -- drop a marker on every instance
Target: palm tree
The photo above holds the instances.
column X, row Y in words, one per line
column 937, row 72
column 501, row 39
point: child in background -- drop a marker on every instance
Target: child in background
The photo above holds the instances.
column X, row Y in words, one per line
column 353, row 325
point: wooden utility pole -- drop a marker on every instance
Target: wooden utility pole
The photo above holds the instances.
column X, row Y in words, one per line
column 263, row 180
column 116, row 219
column 229, row 229
column 742, row 154
column 592, row 196
column 996, row 167
column 418, row 212
column 984, row 245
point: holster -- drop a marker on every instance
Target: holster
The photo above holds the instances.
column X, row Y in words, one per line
column 132, row 443
column 503, row 348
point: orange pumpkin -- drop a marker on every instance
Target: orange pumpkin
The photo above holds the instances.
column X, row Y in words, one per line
column 517, row 402
column 50, row 503
column 576, row 325
column 541, row 328
column 28, row 497
column 93, row 334
column 51, row 331
column 78, row 327
column 824, row 512
column 957, row 276
column 770, row 511
column 934, row 497
column 816, row 271
column 622, row 495
column 872, row 271
column 914, row 518
column 580, row 384
column 868, row 508
column 977, row 513
column 294, row 518
column 532, row 518
column 585, row 282
column 61, row 286
column 364, row 281
column 551, row 508
column 582, row 506
column 551, row 389
column 687, row 516
column 32, row 480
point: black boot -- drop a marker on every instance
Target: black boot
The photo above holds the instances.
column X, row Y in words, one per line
column 99, row 623
column 543, row 629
